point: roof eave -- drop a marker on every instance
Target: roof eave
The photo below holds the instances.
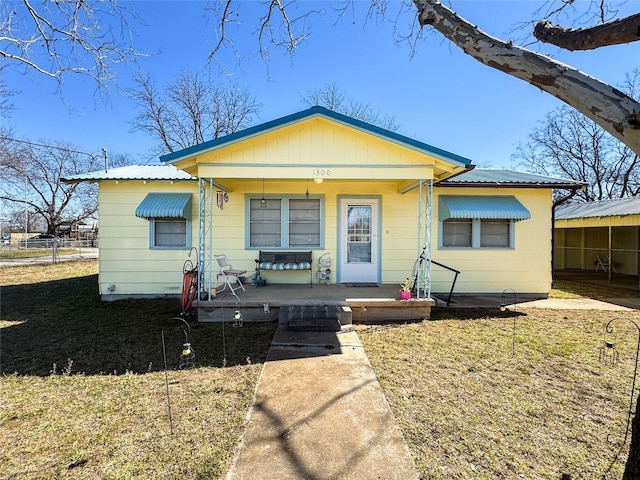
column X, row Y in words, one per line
column 444, row 183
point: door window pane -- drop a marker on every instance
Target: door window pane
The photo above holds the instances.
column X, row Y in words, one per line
column 359, row 233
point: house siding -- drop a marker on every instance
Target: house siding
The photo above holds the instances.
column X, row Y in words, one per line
column 126, row 261
column 526, row 268
column 315, row 148
column 398, row 240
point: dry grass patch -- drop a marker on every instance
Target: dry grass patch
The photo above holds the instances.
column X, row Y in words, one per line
column 88, row 427
column 469, row 409
column 83, row 385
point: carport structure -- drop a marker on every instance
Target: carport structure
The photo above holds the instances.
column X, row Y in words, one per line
column 599, row 240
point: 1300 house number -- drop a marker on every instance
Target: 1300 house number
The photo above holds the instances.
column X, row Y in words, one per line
column 321, row 172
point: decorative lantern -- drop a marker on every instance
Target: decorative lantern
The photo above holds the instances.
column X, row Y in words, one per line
column 237, row 318
column 608, row 353
column 187, row 357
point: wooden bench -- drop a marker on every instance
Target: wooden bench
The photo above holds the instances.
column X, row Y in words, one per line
column 284, row 261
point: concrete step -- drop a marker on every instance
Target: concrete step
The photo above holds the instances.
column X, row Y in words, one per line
column 318, row 317
column 314, row 325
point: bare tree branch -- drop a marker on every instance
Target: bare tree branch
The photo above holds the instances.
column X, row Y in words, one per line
column 614, row 111
column 67, row 37
column 277, row 27
column 192, row 110
column 623, row 30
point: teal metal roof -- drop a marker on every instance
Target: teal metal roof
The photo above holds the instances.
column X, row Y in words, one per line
column 483, row 207
column 165, row 205
column 496, row 177
column 316, row 112
column 618, row 207
column 133, row 172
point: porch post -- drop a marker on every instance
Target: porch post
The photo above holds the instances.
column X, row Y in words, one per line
column 610, row 254
column 205, row 229
column 425, row 216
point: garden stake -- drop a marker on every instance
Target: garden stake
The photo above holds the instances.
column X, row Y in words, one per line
column 505, row 308
column 614, row 358
column 608, row 354
column 166, row 383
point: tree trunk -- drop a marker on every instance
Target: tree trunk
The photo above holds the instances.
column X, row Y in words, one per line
column 632, row 468
column 615, row 112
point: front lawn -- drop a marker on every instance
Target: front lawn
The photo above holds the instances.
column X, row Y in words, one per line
column 471, row 408
column 84, row 392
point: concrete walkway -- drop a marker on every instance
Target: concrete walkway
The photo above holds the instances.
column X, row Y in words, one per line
column 319, row 413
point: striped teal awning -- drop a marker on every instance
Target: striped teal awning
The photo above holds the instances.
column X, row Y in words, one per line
column 483, row 207
column 165, row 205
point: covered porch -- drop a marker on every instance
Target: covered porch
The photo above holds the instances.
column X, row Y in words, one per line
column 322, row 183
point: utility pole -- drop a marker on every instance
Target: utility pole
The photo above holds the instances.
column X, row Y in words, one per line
column 26, row 218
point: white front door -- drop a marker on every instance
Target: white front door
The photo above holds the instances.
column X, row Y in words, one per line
column 359, row 242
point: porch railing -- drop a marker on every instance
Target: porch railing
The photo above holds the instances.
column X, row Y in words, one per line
column 455, row 278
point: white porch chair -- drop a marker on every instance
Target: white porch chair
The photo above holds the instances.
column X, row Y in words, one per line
column 226, row 270
column 602, row 261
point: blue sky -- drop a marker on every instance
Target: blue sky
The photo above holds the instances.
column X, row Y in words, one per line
column 439, row 95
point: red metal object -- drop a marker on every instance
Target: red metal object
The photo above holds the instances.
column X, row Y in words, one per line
column 189, row 291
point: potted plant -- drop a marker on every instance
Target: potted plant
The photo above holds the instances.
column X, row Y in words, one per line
column 405, row 293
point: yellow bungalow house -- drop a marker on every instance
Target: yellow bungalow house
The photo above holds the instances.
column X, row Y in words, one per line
column 321, row 182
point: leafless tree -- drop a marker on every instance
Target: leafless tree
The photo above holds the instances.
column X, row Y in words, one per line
column 31, row 178
column 57, row 38
column 607, row 106
column 330, row 96
column 191, row 110
column 615, row 112
column 569, row 145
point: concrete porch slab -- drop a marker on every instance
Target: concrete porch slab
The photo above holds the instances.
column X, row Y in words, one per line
column 367, row 304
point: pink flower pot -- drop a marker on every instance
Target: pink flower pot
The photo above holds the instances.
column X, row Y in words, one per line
column 405, row 295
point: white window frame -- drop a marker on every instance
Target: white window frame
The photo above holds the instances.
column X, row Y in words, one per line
column 285, row 222
column 476, row 235
column 152, row 234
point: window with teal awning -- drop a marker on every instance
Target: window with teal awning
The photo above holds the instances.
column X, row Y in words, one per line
column 165, row 205
column 478, row 221
column 488, row 207
column 169, row 216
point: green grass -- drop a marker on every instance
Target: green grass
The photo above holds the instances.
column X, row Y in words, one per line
column 9, row 253
column 569, row 289
column 84, row 393
column 83, row 385
column 468, row 408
